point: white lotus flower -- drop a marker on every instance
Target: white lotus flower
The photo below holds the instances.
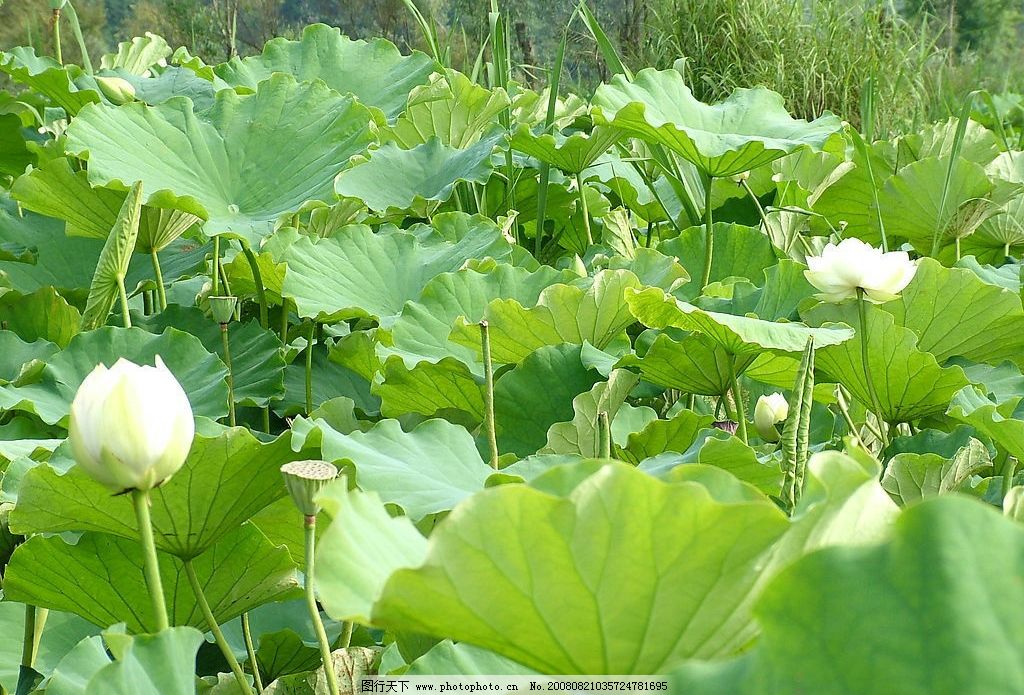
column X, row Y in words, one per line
column 842, row 269
column 770, row 410
column 131, row 426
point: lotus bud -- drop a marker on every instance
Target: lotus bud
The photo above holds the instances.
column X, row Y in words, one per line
column 117, row 90
column 131, row 426
column 768, row 412
column 1013, row 503
column 844, row 270
column 223, row 308
column 305, row 480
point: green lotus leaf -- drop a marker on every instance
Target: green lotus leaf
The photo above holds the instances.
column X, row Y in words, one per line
column 64, row 631
column 660, row 436
column 999, row 235
column 690, row 603
column 977, row 144
column 14, row 153
column 692, row 363
column 41, row 314
column 226, row 163
column 652, row 268
column 359, row 273
column 160, row 664
column 563, row 314
column 225, row 480
column 622, row 180
column 47, row 77
column 421, row 331
column 200, row 373
column 283, row 653
column 572, row 154
column 739, row 251
column 1007, row 276
column 954, row 313
column 909, row 382
column 896, row 599
column 580, row 435
column 418, row 178
column 138, row 55
column 55, row 189
column 1002, row 422
column 536, row 394
column 448, row 658
column 911, row 477
column 451, row 108
column 112, row 266
column 330, row 380
column 847, row 199
column 748, row 129
column 100, row 578
column 727, row 453
column 425, row 471
column 18, row 356
column 430, row 388
column 738, row 335
column 374, row 71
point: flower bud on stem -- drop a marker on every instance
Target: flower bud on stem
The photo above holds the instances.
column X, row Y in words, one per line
column 492, row 437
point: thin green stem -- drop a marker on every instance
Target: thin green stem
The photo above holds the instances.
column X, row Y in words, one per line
column 1009, row 467
column 314, row 612
column 216, row 267
column 309, row 369
column 126, row 316
column 489, row 426
column 604, row 435
column 35, row 620
column 257, row 279
column 231, row 377
column 757, row 203
column 147, row 302
column 211, row 622
column 284, row 321
column 55, row 25
column 345, row 638
column 251, row 652
column 140, row 500
column 737, row 396
column 161, row 293
column 862, row 305
column 584, row 208
column 709, row 235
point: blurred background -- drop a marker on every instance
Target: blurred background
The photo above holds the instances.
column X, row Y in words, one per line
column 921, row 56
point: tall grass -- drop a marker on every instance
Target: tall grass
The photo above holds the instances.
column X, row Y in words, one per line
column 819, row 54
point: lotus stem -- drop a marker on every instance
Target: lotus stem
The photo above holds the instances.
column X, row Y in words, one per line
column 1009, row 467
column 584, row 208
column 231, row 377
column 309, row 523
column 489, row 425
column 709, row 235
column 757, row 203
column 737, row 396
column 216, row 267
column 345, row 638
column 140, row 499
column 251, row 652
column 55, row 26
column 604, row 435
column 126, row 317
column 147, row 302
column 211, row 622
column 161, row 293
column 257, row 279
column 862, row 305
column 309, row 369
column 35, row 620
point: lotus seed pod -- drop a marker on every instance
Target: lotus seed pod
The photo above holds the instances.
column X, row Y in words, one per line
column 1013, row 503
column 116, row 89
column 131, row 426
column 305, row 480
column 223, row 308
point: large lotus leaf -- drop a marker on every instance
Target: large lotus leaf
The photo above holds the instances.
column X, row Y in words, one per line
column 100, row 578
column 652, row 268
column 977, row 143
column 201, row 374
column 955, row 314
column 910, row 477
column 723, row 451
column 738, row 335
column 374, row 71
column 427, row 470
column 563, row 314
column 909, row 383
column 112, row 266
column 47, row 77
column 430, row 388
column 571, row 154
column 14, row 153
column 659, row 436
column 362, row 528
column 359, row 273
column 739, row 251
column 257, row 364
column 748, row 129
column 1003, row 422
column 420, row 177
column 657, row 202
column 238, row 163
column 693, row 363
column 452, row 108
column 914, row 612
column 225, row 480
column 1007, row 276
column 159, row 664
column 138, row 55
column 448, row 658
column 330, row 380
column 918, row 205
column 57, row 190
column 173, row 82
column 478, row 582
column 421, row 331
column 63, row 632
column 999, row 235
column 16, row 353
column 580, row 435
column 848, row 197
column 283, row 653
column 536, row 394
column 41, row 314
